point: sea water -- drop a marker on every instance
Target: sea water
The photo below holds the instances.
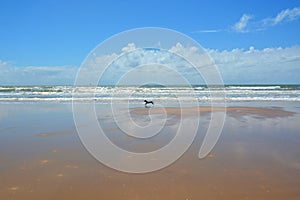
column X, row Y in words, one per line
column 136, row 94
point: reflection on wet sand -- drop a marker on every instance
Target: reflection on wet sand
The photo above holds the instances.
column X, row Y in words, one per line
column 255, row 158
column 235, row 111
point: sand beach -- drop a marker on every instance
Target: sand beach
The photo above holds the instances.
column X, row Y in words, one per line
column 256, row 157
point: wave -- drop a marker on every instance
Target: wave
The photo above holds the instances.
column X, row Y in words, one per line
column 104, row 94
column 253, row 87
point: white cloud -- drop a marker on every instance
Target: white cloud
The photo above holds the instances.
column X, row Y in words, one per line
column 252, row 66
column 247, row 24
column 283, row 16
column 286, row 15
column 269, row 65
column 241, row 25
column 35, row 75
column 209, row 31
column 151, row 63
column 129, row 47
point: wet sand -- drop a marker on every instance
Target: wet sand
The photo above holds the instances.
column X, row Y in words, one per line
column 238, row 111
column 257, row 157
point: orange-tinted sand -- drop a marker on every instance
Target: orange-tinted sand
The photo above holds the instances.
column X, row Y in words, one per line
column 257, row 157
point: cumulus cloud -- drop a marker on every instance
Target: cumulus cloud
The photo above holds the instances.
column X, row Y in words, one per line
column 134, row 66
column 35, row 75
column 237, row 66
column 129, row 47
column 254, row 66
column 160, row 66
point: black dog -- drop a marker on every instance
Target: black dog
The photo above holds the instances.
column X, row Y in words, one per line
column 148, row 102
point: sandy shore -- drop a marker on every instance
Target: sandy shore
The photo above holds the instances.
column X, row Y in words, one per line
column 257, row 157
column 264, row 112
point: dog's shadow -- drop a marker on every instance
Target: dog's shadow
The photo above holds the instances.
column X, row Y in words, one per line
column 149, row 105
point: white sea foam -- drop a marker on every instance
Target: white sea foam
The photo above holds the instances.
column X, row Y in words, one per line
column 131, row 94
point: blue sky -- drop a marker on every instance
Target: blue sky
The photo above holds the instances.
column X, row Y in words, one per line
column 44, row 42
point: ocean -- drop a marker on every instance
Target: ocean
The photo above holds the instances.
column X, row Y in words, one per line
column 136, row 94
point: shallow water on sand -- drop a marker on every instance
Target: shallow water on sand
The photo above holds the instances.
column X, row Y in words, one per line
column 41, row 157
